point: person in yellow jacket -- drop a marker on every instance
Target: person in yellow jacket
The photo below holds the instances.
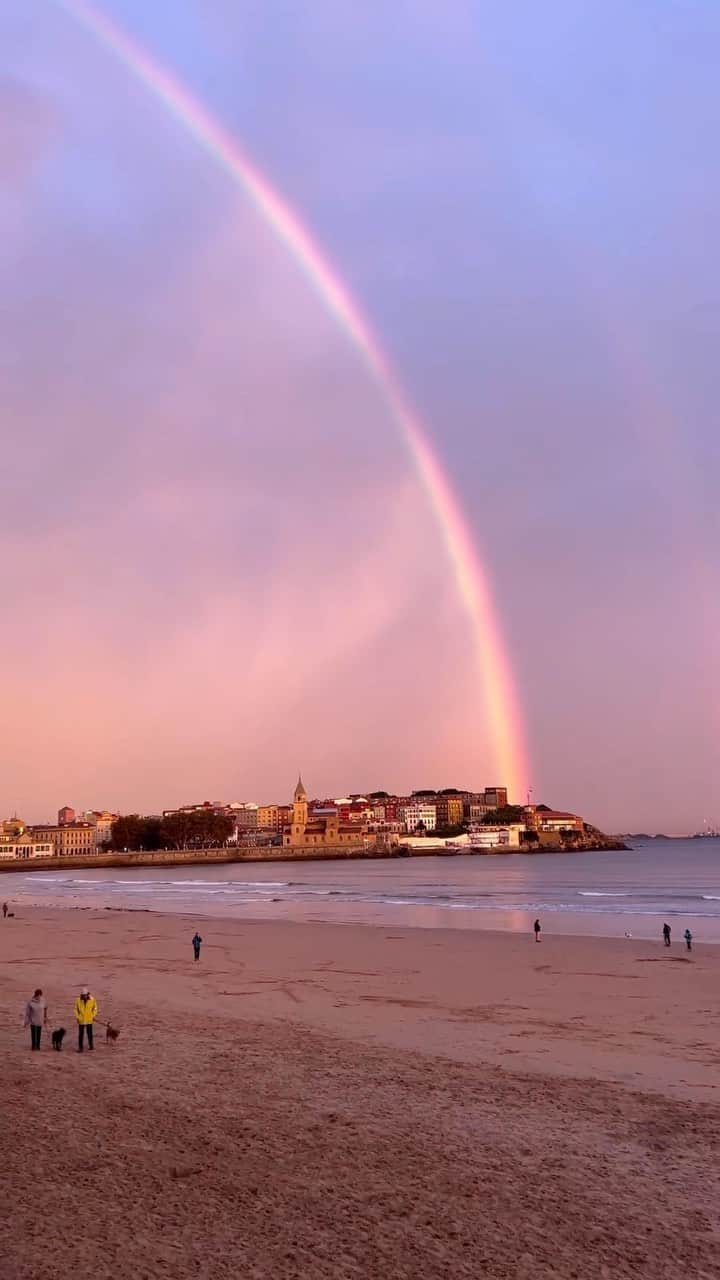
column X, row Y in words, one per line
column 86, row 1011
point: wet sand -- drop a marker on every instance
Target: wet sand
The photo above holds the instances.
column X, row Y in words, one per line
column 343, row 1101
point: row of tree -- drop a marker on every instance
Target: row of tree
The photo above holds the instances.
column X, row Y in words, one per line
column 201, row 830
column 509, row 813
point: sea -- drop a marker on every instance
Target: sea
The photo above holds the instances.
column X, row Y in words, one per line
column 604, row 893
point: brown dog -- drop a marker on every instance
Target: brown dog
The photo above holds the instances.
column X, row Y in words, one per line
column 111, row 1034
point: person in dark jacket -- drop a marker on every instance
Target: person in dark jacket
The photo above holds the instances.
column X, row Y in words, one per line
column 536, row 927
column 196, row 944
column 688, row 939
column 36, row 1018
column 666, row 934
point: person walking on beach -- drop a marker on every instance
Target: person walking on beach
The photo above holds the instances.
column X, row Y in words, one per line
column 666, row 934
column 536, row 927
column 688, row 939
column 36, row 1018
column 5, row 909
column 196, row 944
column 86, row 1011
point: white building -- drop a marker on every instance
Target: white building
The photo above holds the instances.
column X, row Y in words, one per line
column 417, row 814
column 26, row 847
column 497, row 837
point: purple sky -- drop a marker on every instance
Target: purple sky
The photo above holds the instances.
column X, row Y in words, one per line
column 217, row 563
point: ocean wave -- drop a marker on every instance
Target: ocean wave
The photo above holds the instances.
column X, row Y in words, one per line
column 232, row 884
column 38, row 879
column 597, row 893
column 102, row 884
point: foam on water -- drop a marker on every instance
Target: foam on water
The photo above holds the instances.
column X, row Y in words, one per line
column 607, row 892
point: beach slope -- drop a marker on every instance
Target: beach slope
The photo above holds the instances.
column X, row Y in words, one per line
column 321, row 1101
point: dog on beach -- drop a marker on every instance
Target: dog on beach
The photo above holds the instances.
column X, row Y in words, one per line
column 57, row 1038
column 111, row 1034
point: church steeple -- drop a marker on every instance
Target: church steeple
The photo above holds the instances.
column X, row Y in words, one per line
column 300, row 812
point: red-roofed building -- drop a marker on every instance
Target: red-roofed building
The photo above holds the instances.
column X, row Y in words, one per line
column 541, row 819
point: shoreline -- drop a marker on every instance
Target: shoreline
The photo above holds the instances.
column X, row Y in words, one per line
column 218, row 857
column 314, row 920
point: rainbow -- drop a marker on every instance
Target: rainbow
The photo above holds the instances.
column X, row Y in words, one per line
column 500, row 698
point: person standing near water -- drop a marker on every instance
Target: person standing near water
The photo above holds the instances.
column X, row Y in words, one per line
column 536, row 927
column 666, row 934
column 86, row 1011
column 196, row 943
column 36, row 1018
column 5, row 909
column 688, row 939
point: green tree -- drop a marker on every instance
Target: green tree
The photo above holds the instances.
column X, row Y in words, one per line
column 132, row 831
column 202, row 829
column 502, row 817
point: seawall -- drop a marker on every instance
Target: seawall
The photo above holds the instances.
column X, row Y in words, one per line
column 279, row 853
column 190, row 857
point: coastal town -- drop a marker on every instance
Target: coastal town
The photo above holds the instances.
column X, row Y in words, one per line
column 378, row 824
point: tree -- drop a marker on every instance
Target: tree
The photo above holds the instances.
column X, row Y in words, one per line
column 131, row 831
column 202, row 829
column 509, row 813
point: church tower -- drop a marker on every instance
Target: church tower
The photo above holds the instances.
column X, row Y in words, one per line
column 300, row 812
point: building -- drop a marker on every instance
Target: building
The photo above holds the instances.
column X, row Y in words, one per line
column 245, row 817
column 381, row 827
column 65, row 815
column 285, row 816
column 542, row 819
column 73, row 839
column 268, row 817
column 322, row 829
column 420, row 814
column 11, row 827
column 495, row 797
column 25, row 846
column 102, row 820
column 509, row 837
column 349, row 809
column 450, row 808
column 207, row 806
column 103, row 826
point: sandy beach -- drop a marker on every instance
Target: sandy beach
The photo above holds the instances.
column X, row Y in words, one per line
column 346, row 1101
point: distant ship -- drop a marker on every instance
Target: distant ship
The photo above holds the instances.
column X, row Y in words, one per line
column 707, row 833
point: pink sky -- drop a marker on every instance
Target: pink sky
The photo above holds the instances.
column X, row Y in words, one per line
column 217, row 563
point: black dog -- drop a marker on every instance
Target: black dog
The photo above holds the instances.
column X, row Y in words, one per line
column 57, row 1038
